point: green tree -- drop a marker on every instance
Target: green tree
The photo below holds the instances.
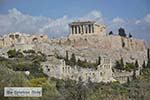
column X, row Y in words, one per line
column 99, row 60
column 134, row 74
column 117, row 65
column 122, row 32
column 111, row 33
column 130, row 35
column 144, row 65
column 12, row 53
column 122, row 63
column 67, row 57
column 148, row 54
column 148, row 63
column 79, row 62
column 128, row 80
column 73, row 59
column 129, row 66
column 136, row 65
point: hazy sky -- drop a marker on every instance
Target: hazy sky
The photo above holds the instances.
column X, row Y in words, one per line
column 52, row 16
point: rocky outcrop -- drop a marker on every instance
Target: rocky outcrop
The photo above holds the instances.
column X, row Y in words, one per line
column 90, row 48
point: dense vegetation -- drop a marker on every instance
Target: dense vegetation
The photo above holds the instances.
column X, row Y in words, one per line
column 127, row 66
column 82, row 63
column 54, row 89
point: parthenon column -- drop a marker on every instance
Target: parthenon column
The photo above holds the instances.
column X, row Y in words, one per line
column 77, row 29
column 72, row 29
column 87, row 29
column 92, row 28
column 82, row 29
column 89, row 26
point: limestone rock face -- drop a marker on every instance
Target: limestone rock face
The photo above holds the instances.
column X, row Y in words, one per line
column 91, row 47
column 88, row 47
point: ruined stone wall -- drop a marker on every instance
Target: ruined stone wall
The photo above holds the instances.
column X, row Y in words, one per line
column 11, row 39
column 100, row 30
column 63, row 71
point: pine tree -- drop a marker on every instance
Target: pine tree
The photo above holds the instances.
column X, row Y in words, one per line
column 134, row 74
column 73, row 59
column 148, row 54
column 111, row 33
column 136, row 65
column 128, row 80
column 122, row 32
column 130, row 36
column 122, row 63
column 67, row 58
column 144, row 65
column 99, row 60
column 148, row 63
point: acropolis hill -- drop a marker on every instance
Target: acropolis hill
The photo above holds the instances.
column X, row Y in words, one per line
column 87, row 40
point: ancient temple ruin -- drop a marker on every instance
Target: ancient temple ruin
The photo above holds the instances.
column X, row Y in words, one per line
column 86, row 28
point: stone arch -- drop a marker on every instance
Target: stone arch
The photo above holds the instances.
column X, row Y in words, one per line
column 34, row 39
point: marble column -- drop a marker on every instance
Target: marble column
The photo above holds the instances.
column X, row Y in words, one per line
column 92, row 28
column 89, row 26
column 77, row 29
column 81, row 27
column 87, row 29
column 72, row 29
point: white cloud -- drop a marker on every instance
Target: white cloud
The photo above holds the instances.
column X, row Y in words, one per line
column 17, row 21
column 93, row 15
column 137, row 22
column 118, row 20
column 147, row 18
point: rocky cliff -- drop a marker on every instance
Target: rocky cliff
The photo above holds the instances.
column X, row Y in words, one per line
column 91, row 47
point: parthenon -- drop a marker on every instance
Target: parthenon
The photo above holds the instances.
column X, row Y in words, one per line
column 86, row 27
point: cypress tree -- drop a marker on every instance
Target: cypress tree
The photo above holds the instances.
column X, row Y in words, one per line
column 122, row 32
column 99, row 60
column 136, row 65
column 148, row 63
column 144, row 65
column 111, row 33
column 130, row 36
column 73, row 59
column 67, row 58
column 121, row 63
column 134, row 74
column 128, row 80
column 148, row 55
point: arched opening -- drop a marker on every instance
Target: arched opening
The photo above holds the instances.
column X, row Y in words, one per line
column 35, row 39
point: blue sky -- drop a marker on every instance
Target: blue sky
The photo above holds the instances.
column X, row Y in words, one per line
column 128, row 9
column 52, row 16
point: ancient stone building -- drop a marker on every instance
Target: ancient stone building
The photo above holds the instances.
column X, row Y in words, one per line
column 86, row 28
column 103, row 73
column 20, row 38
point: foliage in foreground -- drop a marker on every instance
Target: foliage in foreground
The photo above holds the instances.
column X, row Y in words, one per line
column 55, row 89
